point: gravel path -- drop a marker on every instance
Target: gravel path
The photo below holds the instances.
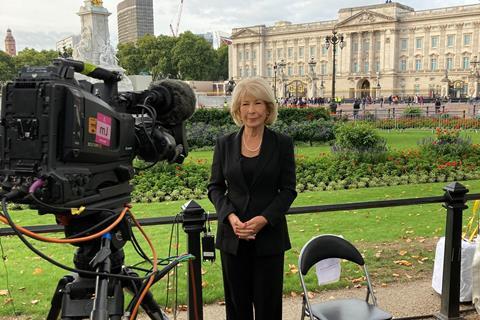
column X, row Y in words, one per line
column 415, row 298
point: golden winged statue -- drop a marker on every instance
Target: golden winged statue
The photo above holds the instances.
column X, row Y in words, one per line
column 97, row 3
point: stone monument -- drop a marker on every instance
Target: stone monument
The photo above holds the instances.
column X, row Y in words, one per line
column 94, row 46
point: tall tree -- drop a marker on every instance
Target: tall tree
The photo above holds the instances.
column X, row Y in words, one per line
column 7, row 67
column 32, row 57
column 222, row 62
column 130, row 59
column 194, row 57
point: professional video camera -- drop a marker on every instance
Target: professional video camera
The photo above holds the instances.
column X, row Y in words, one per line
column 73, row 142
column 67, row 147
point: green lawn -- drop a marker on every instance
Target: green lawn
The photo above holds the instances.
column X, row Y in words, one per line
column 384, row 235
column 396, row 140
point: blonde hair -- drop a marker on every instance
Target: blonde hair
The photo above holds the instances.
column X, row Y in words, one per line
column 258, row 88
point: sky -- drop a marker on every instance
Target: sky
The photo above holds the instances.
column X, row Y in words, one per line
column 39, row 24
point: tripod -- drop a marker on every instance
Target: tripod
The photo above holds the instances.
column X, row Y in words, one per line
column 81, row 296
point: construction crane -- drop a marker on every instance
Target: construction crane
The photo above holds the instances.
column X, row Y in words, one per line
column 179, row 16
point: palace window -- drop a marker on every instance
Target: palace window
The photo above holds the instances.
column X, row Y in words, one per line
column 466, row 63
column 433, row 64
column 240, row 72
column 247, row 55
column 290, row 52
column 300, row 70
column 403, row 44
column 313, row 50
column 300, row 52
column 467, row 39
column 355, row 67
column 435, row 40
column 355, row 46
column 254, row 54
column 403, row 65
column 254, row 71
column 247, row 72
column 324, row 51
column 450, row 40
column 377, row 66
column 449, row 63
column 290, row 70
column 269, row 71
column 418, row 43
column 418, row 64
column 240, row 55
column 323, row 68
column 366, row 66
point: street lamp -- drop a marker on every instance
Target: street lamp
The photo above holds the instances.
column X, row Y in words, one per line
column 312, row 63
column 280, row 65
column 334, row 40
column 378, row 87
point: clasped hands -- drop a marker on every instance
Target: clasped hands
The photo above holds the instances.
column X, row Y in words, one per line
column 249, row 229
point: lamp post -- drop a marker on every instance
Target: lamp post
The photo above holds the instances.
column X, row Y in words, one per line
column 334, row 40
column 312, row 63
column 280, row 65
column 378, row 87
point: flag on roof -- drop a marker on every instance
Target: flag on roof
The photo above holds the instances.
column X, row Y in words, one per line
column 226, row 40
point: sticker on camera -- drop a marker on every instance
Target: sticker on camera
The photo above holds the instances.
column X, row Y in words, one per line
column 104, row 129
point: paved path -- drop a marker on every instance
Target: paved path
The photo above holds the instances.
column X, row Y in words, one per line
column 413, row 298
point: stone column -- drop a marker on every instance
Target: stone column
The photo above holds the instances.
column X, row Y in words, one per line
column 359, row 51
column 411, row 47
column 261, row 70
column 347, row 54
column 476, row 38
column 442, row 63
column 458, row 46
column 426, row 47
column 371, row 64
column 232, row 61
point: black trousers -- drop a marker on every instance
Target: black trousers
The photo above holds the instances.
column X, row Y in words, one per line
column 252, row 285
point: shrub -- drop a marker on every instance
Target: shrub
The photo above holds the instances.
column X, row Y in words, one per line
column 360, row 141
column 447, row 144
column 412, row 112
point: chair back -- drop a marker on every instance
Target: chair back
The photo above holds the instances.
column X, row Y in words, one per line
column 327, row 246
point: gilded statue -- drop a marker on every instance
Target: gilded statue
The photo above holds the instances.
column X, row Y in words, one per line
column 97, row 3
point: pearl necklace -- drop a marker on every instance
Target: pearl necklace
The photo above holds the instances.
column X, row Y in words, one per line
column 248, row 149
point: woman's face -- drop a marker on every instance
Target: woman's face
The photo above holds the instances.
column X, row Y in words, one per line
column 253, row 111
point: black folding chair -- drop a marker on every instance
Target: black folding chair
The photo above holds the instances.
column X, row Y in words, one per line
column 330, row 246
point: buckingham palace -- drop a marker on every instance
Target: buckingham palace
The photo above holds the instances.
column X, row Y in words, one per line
column 380, row 50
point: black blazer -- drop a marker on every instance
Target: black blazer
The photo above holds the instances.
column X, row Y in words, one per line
column 270, row 195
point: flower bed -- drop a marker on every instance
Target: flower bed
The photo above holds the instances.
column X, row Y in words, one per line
column 189, row 181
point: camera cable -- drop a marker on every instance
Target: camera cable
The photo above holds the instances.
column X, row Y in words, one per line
column 4, row 259
column 18, row 232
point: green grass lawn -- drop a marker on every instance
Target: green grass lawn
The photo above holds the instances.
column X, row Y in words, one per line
column 396, row 140
column 383, row 235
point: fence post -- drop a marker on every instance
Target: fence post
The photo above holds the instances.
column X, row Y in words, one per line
column 455, row 204
column 474, row 111
column 463, row 114
column 193, row 224
column 427, row 111
column 443, row 109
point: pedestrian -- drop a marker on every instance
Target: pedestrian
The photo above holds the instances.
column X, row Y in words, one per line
column 252, row 186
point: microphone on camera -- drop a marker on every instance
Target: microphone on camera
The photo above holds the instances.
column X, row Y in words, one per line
column 173, row 100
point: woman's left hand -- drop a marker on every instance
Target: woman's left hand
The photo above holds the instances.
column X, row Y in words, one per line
column 256, row 223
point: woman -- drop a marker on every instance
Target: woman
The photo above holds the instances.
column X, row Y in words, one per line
column 252, row 186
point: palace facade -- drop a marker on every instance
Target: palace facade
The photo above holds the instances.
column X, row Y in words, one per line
column 387, row 49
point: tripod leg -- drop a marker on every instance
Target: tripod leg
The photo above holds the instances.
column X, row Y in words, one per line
column 56, row 304
column 149, row 305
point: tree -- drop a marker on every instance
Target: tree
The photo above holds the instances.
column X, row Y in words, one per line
column 194, row 57
column 7, row 67
column 130, row 59
column 222, row 62
column 32, row 57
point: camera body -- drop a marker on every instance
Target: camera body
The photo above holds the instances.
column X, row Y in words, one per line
column 75, row 141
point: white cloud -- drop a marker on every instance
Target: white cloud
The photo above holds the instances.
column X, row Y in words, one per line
column 39, row 24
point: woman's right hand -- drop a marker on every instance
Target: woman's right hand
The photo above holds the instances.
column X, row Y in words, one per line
column 241, row 229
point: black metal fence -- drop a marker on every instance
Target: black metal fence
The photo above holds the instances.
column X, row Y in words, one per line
column 194, row 218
